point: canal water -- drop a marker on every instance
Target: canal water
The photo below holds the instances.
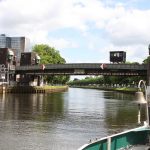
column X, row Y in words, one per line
column 63, row 121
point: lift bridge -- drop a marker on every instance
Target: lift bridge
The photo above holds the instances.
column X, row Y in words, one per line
column 29, row 68
column 116, row 67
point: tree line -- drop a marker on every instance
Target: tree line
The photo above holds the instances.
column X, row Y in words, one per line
column 113, row 81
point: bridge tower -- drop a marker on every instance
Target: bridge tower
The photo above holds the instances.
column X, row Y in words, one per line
column 29, row 59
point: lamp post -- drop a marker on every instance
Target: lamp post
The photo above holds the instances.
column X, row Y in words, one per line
column 10, row 55
column 141, row 99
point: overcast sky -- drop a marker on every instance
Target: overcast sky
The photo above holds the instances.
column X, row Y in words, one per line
column 82, row 30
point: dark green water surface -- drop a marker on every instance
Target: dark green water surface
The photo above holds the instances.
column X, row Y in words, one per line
column 62, row 121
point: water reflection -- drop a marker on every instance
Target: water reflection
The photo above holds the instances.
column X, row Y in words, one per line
column 121, row 112
column 118, row 96
column 31, row 106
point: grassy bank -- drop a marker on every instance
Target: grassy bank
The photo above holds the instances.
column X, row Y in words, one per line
column 46, row 87
column 126, row 89
column 50, row 89
column 122, row 89
column 34, row 89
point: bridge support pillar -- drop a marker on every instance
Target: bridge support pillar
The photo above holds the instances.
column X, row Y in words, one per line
column 40, row 80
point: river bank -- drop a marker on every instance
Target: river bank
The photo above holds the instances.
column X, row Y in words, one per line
column 32, row 89
column 130, row 90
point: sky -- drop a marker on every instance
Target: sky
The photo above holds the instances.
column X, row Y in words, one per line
column 83, row 31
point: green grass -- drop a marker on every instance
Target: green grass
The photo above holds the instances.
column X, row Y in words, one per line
column 126, row 89
column 46, row 87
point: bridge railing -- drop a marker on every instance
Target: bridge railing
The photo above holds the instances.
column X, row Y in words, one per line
column 85, row 66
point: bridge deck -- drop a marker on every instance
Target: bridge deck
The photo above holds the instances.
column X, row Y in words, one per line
column 86, row 68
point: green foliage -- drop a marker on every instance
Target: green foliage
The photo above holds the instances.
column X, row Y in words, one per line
column 50, row 55
column 107, row 80
column 57, row 79
column 145, row 61
column 87, row 81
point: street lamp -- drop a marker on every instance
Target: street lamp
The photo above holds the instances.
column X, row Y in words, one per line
column 141, row 99
column 10, row 55
column 37, row 59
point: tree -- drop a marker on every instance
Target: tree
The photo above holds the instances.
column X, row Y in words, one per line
column 145, row 61
column 50, row 55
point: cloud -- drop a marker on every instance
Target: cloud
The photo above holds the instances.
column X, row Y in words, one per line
column 37, row 14
column 123, row 27
column 130, row 29
column 58, row 43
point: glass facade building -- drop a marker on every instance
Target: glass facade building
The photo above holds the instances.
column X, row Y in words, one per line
column 17, row 44
column 3, row 43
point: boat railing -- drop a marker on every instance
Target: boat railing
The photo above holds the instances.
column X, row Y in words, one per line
column 121, row 140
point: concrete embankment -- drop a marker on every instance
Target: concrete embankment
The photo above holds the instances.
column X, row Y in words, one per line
column 31, row 89
column 120, row 89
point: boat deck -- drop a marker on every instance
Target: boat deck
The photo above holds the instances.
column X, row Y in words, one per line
column 140, row 147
